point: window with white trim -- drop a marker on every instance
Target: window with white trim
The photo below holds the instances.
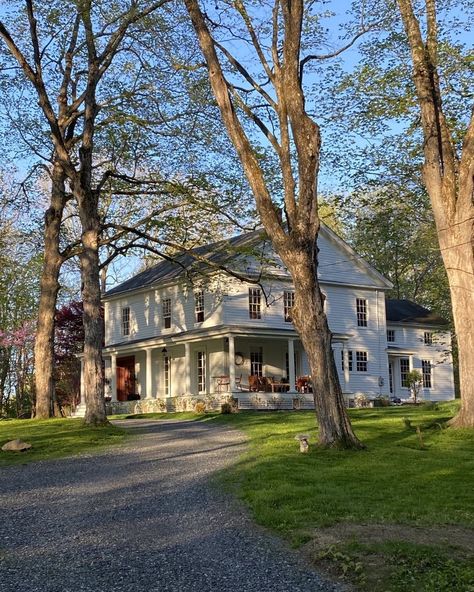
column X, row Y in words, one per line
column 256, row 362
column 404, row 370
column 126, row 320
column 361, row 307
column 167, row 375
column 288, row 304
column 255, row 298
column 428, row 338
column 361, row 361
column 426, row 371
column 166, row 312
column 390, row 335
column 199, row 306
column 201, row 371
column 349, row 357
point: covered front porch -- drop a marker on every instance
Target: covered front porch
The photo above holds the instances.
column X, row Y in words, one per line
column 263, row 369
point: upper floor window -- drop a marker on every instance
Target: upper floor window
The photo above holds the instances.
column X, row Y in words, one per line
column 390, row 335
column 166, row 312
column 361, row 306
column 255, row 297
column 288, row 304
column 428, row 338
column 199, row 306
column 349, row 358
column 126, row 320
column 426, row 370
column 404, row 370
column 361, row 361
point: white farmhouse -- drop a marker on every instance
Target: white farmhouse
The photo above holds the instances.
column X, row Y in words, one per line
column 180, row 332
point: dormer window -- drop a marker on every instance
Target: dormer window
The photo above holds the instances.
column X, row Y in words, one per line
column 166, row 312
column 126, row 321
column 255, row 297
column 199, row 306
column 288, row 304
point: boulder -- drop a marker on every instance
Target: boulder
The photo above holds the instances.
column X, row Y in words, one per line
column 16, row 446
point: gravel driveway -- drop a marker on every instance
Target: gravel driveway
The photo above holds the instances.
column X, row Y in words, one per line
column 140, row 518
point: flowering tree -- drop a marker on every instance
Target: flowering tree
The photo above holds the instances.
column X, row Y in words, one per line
column 17, row 369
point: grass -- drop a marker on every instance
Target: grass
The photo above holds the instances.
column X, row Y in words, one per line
column 54, row 438
column 397, row 480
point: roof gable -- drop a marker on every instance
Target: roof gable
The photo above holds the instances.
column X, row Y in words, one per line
column 252, row 253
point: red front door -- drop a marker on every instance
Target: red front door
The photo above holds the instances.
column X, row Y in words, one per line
column 125, row 377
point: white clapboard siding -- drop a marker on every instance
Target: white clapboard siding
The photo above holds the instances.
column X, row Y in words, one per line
column 411, row 339
column 146, row 314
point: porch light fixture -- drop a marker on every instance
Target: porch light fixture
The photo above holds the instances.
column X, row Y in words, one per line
column 164, row 351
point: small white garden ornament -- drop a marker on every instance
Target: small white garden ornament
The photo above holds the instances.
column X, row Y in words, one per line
column 304, row 442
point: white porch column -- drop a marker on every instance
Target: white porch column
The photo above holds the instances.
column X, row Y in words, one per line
column 187, row 369
column 232, row 386
column 291, row 365
column 148, row 375
column 345, row 354
column 113, row 377
column 82, row 401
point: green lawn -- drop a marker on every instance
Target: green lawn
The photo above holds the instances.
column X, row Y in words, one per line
column 54, row 438
column 395, row 481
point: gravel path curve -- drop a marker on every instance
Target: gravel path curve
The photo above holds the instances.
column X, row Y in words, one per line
column 140, row 518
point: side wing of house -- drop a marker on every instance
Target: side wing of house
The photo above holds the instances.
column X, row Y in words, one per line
column 426, row 349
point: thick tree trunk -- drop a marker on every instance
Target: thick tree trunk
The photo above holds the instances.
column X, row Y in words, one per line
column 93, row 326
column 456, row 245
column 49, row 288
column 295, row 244
column 310, row 321
column 449, row 180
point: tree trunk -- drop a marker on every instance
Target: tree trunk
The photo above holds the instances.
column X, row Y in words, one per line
column 457, row 249
column 310, row 321
column 93, row 325
column 295, row 243
column 449, row 181
column 49, row 288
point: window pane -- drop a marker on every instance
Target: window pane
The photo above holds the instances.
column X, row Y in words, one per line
column 126, row 321
column 404, row 370
column 361, row 306
column 254, row 303
column 390, row 335
column 288, row 303
column 426, row 372
column 199, row 306
column 349, row 356
column 361, row 361
column 256, row 363
column 166, row 304
column 201, row 371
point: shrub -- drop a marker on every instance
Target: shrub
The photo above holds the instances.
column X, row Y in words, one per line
column 226, row 408
column 200, row 407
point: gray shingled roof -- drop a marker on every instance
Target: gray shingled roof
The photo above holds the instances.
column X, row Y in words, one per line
column 217, row 253
column 405, row 311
